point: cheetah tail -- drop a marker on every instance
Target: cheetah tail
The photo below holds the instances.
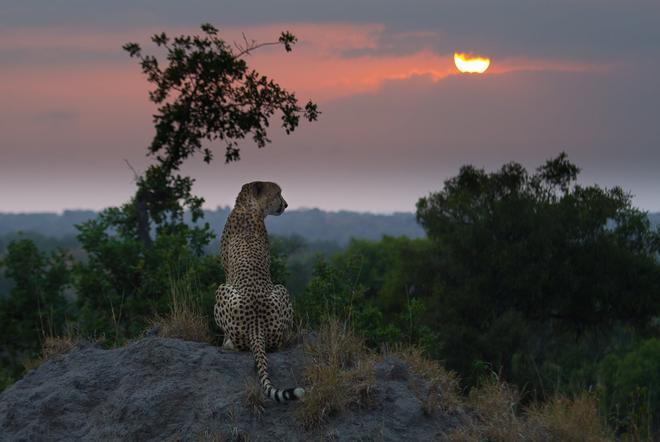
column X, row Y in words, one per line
column 258, row 349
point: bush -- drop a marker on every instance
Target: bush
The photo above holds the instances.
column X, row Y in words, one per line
column 521, row 251
column 36, row 306
column 630, row 387
column 369, row 286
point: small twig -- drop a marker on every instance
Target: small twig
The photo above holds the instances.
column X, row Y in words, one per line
column 135, row 174
column 253, row 46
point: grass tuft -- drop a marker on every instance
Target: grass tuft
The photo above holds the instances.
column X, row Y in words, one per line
column 51, row 346
column 254, row 398
column 57, row 345
column 565, row 419
column 208, row 436
column 443, row 392
column 495, row 415
column 339, row 371
column 185, row 319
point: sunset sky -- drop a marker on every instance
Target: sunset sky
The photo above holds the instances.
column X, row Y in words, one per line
column 580, row 76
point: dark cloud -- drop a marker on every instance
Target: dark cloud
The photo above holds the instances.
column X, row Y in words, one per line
column 389, row 42
column 601, row 29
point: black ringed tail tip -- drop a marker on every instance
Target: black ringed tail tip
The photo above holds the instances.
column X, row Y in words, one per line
column 290, row 394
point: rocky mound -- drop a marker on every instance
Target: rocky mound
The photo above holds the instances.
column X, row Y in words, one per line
column 168, row 389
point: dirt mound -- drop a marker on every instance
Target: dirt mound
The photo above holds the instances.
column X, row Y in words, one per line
column 168, row 389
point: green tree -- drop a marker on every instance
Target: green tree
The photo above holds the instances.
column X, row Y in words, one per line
column 524, row 258
column 122, row 283
column 36, row 305
column 629, row 384
column 382, row 288
column 205, row 92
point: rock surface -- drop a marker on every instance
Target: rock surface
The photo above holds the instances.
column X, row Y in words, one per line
column 168, row 389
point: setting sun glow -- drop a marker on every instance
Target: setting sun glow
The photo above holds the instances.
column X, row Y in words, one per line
column 471, row 64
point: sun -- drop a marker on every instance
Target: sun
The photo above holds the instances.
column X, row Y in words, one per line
column 471, row 64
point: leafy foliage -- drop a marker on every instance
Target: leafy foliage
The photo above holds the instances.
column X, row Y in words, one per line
column 550, row 284
column 368, row 286
column 630, row 386
column 36, row 305
column 206, row 92
column 527, row 275
column 123, row 282
column 522, row 252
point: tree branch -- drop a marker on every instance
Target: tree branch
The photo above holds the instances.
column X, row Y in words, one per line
column 252, row 46
column 136, row 176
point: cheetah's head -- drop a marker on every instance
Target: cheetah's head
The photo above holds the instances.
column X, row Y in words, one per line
column 266, row 195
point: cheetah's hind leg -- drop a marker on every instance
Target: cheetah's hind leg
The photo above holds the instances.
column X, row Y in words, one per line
column 225, row 296
column 284, row 323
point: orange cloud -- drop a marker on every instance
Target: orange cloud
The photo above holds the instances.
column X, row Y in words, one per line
column 318, row 68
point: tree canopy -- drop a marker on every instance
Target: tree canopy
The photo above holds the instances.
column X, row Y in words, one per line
column 524, row 251
column 205, row 92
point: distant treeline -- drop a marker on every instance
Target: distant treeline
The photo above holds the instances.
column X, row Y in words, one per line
column 45, row 223
column 312, row 224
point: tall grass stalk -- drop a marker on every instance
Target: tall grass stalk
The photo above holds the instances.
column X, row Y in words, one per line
column 185, row 319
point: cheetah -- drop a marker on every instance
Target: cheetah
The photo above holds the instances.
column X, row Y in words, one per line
column 253, row 313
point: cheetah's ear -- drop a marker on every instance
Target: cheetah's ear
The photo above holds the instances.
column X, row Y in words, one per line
column 258, row 187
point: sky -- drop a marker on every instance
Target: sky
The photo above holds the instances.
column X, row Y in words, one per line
column 398, row 119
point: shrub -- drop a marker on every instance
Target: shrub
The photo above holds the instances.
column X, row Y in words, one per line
column 630, row 388
column 6, row 378
column 35, row 306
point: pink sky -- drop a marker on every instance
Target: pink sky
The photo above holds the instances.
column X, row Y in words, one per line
column 397, row 117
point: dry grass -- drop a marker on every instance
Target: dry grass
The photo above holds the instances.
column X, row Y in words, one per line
column 495, row 416
column 340, row 373
column 183, row 324
column 443, row 392
column 56, row 345
column 50, row 347
column 495, row 405
column 564, row 419
column 185, row 320
column 295, row 335
column 254, row 398
column 208, row 436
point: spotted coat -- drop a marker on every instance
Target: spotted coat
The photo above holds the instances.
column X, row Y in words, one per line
column 253, row 313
